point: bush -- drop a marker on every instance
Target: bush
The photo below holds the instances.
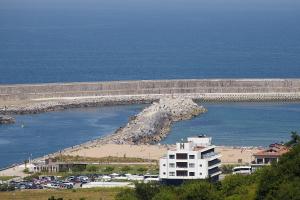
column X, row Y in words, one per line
column 125, row 169
column 33, row 176
column 141, row 169
column 283, row 174
column 92, row 168
column 53, row 198
column 26, row 170
column 166, row 193
column 5, row 187
column 109, row 169
column 227, row 169
column 199, row 190
column 146, row 191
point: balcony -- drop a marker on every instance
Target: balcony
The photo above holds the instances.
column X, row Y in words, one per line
column 181, row 156
column 181, row 173
column 214, row 162
column 181, row 164
column 214, row 171
column 210, row 155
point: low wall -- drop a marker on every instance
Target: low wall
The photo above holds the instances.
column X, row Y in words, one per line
column 150, row 87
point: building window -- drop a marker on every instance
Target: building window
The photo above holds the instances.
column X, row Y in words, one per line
column 171, row 165
column 191, row 156
column 171, row 156
column 164, row 165
column 191, row 165
column 192, row 174
column 171, row 173
column 164, row 173
column 200, row 173
column 200, row 165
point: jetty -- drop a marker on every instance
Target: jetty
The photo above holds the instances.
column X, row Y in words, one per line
column 35, row 98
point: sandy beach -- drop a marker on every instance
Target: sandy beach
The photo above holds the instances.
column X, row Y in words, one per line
column 230, row 155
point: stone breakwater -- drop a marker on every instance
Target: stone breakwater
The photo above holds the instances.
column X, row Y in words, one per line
column 7, row 120
column 23, row 92
column 61, row 103
column 154, row 122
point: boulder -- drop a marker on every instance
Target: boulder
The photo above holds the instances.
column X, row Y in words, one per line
column 7, row 120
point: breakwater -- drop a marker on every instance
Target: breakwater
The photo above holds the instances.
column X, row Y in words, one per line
column 153, row 123
column 145, row 87
column 34, row 98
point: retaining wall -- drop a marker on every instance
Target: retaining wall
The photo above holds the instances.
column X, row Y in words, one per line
column 187, row 86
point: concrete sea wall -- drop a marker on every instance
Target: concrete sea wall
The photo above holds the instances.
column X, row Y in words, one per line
column 206, row 89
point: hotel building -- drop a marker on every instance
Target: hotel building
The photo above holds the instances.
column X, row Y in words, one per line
column 194, row 158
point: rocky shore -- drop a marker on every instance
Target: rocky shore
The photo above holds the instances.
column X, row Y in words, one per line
column 7, row 120
column 153, row 123
column 60, row 103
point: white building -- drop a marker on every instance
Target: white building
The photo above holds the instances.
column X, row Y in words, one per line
column 192, row 159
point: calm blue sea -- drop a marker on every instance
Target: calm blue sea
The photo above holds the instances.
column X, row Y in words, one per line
column 94, row 40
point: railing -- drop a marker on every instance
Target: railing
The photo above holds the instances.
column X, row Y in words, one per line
column 214, row 170
column 214, row 162
column 208, row 155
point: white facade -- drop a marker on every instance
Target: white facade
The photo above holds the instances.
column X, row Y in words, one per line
column 192, row 159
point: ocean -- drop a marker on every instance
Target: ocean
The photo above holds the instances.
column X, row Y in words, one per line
column 89, row 40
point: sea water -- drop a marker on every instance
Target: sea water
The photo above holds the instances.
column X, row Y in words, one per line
column 89, row 40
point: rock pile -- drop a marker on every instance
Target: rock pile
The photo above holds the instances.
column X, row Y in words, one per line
column 153, row 123
column 7, row 120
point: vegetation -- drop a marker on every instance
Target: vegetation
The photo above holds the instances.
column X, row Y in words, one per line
column 275, row 182
column 109, row 159
column 6, row 187
column 295, row 139
column 26, row 170
column 76, row 194
column 5, row 178
column 227, row 169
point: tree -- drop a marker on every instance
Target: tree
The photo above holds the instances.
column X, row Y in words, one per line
column 125, row 169
column 141, row 169
column 92, row 168
column 109, row 169
column 284, row 174
column 166, row 193
column 198, row 190
column 295, row 139
column 146, row 191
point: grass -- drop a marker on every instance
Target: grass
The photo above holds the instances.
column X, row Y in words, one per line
column 109, row 159
column 122, row 169
column 87, row 194
column 5, row 178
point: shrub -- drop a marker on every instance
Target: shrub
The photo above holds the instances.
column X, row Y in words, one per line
column 92, row 168
column 125, row 168
column 109, row 169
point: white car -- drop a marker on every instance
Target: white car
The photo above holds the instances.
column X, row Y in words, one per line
column 242, row 170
